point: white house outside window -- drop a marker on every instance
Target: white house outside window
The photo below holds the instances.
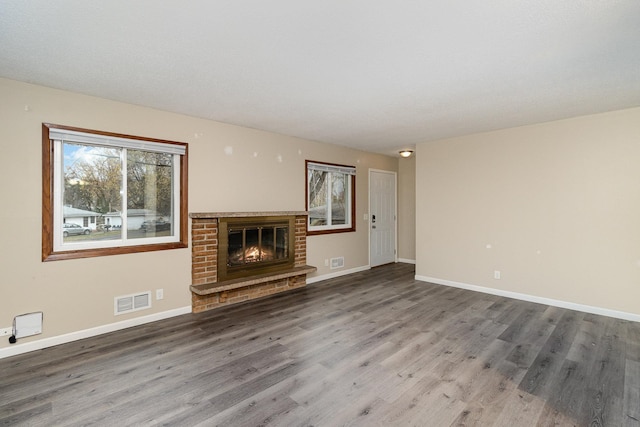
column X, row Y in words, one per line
column 330, row 198
column 132, row 188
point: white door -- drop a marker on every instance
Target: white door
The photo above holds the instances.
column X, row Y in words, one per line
column 382, row 217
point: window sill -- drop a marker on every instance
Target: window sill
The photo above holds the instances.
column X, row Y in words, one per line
column 90, row 253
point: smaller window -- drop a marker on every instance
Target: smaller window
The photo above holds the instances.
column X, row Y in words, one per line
column 331, row 195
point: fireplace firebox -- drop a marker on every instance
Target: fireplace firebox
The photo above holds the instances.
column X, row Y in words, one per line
column 255, row 245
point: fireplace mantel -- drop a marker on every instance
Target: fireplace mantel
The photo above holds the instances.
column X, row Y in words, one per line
column 202, row 215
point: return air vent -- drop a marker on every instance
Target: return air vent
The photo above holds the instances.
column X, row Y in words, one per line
column 337, row 262
column 129, row 303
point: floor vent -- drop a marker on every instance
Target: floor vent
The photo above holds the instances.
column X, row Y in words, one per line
column 129, row 303
column 337, row 262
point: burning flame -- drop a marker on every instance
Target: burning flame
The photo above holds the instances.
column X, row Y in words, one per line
column 252, row 254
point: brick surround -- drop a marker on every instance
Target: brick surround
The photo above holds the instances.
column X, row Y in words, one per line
column 204, row 268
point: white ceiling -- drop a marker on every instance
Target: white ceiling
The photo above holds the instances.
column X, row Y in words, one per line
column 369, row 74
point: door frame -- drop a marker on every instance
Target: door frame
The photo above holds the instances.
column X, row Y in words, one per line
column 395, row 211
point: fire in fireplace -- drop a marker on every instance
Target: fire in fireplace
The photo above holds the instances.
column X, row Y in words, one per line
column 255, row 245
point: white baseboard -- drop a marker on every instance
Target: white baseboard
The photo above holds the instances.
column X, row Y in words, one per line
column 336, row 274
column 407, row 261
column 18, row 348
column 532, row 298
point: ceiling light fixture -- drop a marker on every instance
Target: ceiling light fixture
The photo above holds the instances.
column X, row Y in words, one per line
column 406, row 153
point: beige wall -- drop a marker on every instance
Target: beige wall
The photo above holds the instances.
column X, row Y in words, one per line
column 558, row 203
column 230, row 169
column 407, row 211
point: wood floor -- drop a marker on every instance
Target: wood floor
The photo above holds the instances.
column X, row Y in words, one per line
column 373, row 348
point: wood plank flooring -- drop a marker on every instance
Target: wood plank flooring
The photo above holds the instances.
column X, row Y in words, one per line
column 375, row 348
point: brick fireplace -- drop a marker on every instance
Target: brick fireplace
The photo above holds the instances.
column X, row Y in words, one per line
column 207, row 292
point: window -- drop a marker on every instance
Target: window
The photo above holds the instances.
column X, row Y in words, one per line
column 105, row 193
column 331, row 191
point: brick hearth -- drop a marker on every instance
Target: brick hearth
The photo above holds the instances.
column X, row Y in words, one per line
column 207, row 293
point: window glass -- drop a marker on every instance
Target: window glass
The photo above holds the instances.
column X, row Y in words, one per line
column 149, row 190
column 92, row 186
column 318, row 198
column 339, row 201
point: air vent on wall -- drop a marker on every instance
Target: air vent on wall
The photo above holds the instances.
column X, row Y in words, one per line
column 337, row 262
column 129, row 303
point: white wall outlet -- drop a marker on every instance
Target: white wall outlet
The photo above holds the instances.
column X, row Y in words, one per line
column 159, row 294
column 496, row 274
column 5, row 331
column 326, row 263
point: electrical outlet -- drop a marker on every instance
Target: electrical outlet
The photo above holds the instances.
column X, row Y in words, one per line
column 5, row 331
column 326, row 263
column 159, row 294
column 496, row 274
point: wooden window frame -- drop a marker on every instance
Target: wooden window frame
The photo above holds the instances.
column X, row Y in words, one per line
column 48, row 253
column 352, row 201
